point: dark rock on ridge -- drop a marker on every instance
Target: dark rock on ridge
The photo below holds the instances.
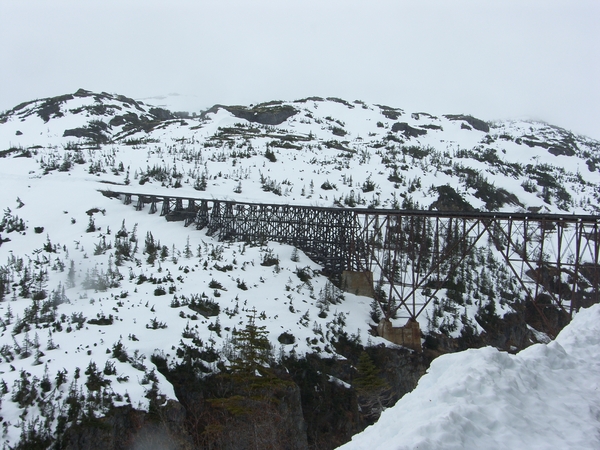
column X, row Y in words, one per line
column 450, row 200
column 407, row 130
column 272, row 113
column 478, row 124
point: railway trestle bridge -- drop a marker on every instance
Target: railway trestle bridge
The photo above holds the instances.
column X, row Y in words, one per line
column 410, row 255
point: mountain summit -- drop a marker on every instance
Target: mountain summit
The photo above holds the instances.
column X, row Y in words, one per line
column 383, row 156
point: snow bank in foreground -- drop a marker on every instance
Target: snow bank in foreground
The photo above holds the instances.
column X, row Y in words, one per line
column 547, row 396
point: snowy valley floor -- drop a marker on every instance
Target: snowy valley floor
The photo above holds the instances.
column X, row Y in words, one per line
column 544, row 397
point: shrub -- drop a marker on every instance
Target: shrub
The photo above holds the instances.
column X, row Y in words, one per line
column 303, row 274
column 327, row 186
column 214, row 284
column 155, row 324
column 102, row 320
column 120, row 352
column 10, row 223
column 270, row 155
column 202, row 305
column 269, row 258
column 286, row 338
column 368, row 185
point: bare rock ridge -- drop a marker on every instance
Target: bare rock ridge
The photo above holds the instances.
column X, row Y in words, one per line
column 272, row 113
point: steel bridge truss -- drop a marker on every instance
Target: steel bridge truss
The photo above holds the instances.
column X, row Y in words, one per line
column 324, row 234
column 413, row 254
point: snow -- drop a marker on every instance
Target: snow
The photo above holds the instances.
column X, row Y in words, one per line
column 59, row 201
column 545, row 397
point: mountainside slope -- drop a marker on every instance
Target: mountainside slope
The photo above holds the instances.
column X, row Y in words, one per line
column 97, row 295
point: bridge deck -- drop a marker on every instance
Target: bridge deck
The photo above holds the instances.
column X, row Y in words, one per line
column 520, row 215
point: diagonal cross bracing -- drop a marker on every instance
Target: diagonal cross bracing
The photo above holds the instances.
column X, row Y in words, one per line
column 412, row 254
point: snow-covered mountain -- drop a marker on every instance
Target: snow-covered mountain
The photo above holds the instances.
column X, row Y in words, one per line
column 97, row 296
column 403, row 157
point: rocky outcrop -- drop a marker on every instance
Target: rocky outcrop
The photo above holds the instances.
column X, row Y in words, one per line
column 478, row 124
column 126, row 428
column 273, row 113
column 407, row 130
column 450, row 200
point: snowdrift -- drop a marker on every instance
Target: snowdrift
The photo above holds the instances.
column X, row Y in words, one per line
column 546, row 396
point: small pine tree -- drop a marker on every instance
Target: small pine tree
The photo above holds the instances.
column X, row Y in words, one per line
column 91, row 225
column 373, row 392
column 164, row 253
column 251, row 348
column 270, row 155
column 375, row 311
column 71, row 275
column 151, row 248
column 4, row 282
column 8, row 316
column 25, row 283
column 187, row 251
column 295, row 256
column 201, row 183
column 367, row 379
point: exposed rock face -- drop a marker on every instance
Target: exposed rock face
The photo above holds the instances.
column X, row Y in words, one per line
column 330, row 409
column 450, row 200
column 407, row 130
column 126, row 428
column 400, row 367
column 271, row 420
column 95, row 131
column 266, row 114
column 513, row 332
column 239, row 412
column 267, row 427
column 478, row 124
column 304, row 403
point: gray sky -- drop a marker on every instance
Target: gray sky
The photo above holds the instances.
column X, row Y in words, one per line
column 494, row 59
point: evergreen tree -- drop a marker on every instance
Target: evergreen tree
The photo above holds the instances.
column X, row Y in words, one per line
column 91, row 225
column 151, row 248
column 367, row 379
column 71, row 275
column 4, row 282
column 251, row 348
column 201, row 183
column 295, row 256
column 25, row 283
column 373, row 391
column 187, row 252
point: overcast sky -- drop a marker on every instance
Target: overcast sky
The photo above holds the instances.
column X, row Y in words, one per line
column 504, row 59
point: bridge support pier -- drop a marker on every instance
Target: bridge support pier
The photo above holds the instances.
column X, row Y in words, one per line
column 408, row 336
column 358, row 283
